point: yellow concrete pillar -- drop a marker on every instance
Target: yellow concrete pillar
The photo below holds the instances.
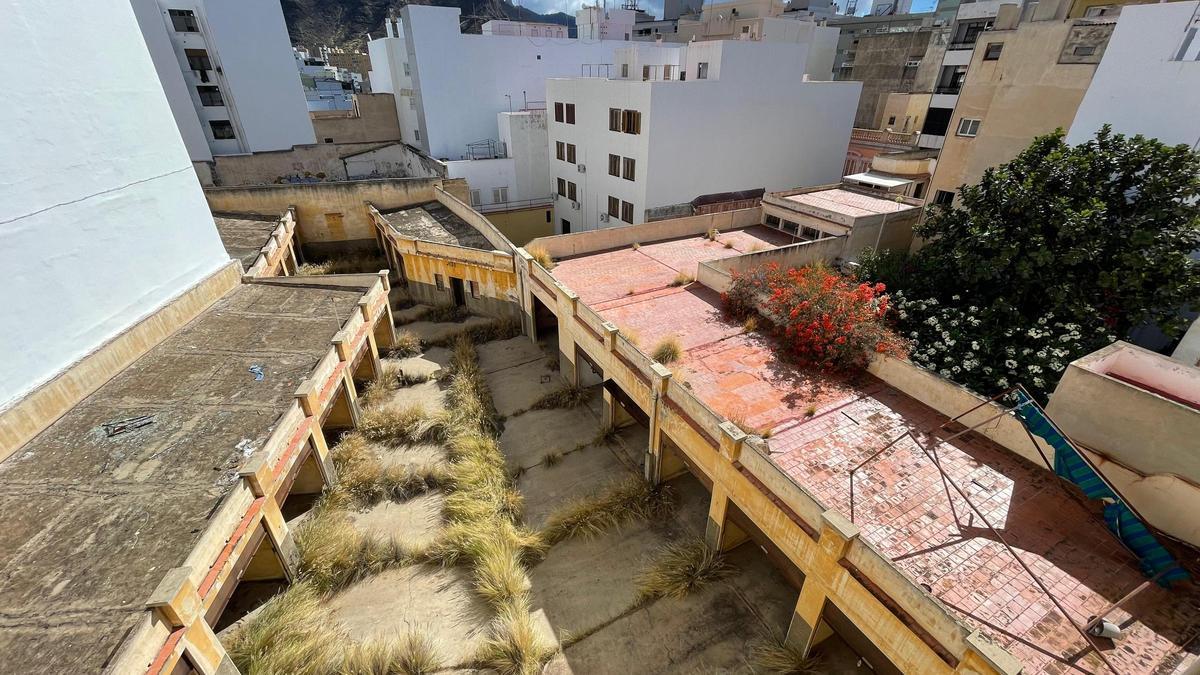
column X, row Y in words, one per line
column 659, row 383
column 176, row 602
column 568, row 304
column 985, row 658
column 385, row 326
column 836, row 535
column 720, row 533
column 309, row 398
column 261, row 479
column 806, row 617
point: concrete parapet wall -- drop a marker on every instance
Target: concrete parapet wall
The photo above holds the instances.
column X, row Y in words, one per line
column 39, row 409
column 567, row 245
column 329, row 213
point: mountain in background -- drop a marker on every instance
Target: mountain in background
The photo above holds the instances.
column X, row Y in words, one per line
column 345, row 23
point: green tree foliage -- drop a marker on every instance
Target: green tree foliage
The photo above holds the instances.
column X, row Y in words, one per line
column 1049, row 257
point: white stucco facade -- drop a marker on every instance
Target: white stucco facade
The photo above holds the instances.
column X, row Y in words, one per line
column 228, row 70
column 519, row 179
column 751, row 122
column 450, row 86
column 101, row 216
column 1149, row 80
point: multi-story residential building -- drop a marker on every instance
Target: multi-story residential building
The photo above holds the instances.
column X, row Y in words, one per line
column 449, row 86
column 854, row 28
column 1026, row 77
column 758, row 20
column 671, row 125
column 971, row 20
column 594, row 22
column 1148, row 81
column 524, row 28
column 901, row 60
column 228, row 73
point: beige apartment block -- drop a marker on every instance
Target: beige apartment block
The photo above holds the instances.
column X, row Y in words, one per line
column 1026, row 78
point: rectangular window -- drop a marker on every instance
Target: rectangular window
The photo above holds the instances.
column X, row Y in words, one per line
column 560, row 150
column 558, row 112
column 570, row 113
column 412, row 103
column 440, row 282
column 562, row 187
column 476, row 200
column 628, row 165
column 210, row 96
column 221, row 129
column 614, row 165
column 474, row 288
column 968, row 127
column 417, row 134
column 992, row 51
column 943, row 197
column 198, row 60
column 406, row 71
column 614, row 119
column 571, row 191
column 645, row 73
column 1084, row 50
column 614, row 207
column 571, row 153
column 702, row 70
column 627, row 212
column 500, row 195
column 773, row 220
column 566, row 226
column 632, row 123
column 667, row 72
column 184, row 20
column 891, row 120
column 624, row 70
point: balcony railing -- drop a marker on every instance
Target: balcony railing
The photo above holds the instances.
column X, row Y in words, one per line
column 883, row 136
column 595, row 70
column 965, row 44
column 954, row 89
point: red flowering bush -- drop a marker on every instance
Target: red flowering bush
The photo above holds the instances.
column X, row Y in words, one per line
column 827, row 320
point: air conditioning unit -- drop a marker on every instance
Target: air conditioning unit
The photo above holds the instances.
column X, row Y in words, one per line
column 581, row 168
column 575, row 205
column 912, row 63
column 603, row 217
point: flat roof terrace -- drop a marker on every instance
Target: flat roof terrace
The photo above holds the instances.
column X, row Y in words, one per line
column 822, row 427
column 432, row 221
column 93, row 522
column 244, row 234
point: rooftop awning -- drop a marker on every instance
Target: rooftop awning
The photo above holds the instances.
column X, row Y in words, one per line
column 877, row 179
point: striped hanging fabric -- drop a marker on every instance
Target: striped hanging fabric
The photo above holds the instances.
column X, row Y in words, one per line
column 1120, row 518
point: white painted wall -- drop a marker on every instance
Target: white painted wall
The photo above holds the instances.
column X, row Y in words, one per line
column 525, row 172
column 248, row 41
column 463, row 81
column 1138, row 88
column 753, row 124
column 101, row 215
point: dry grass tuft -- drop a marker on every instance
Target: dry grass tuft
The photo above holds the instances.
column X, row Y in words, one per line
column 668, row 350
column 680, row 569
column 289, row 634
column 353, row 263
column 410, row 424
column 631, row 334
column 681, row 279
column 636, row 246
column 334, row 555
column 551, row 459
column 728, row 244
column 499, row 329
column 713, row 234
column 411, row 653
column 542, row 256
column 515, row 647
column 773, row 655
column 567, row 396
column 407, row 344
column 750, row 324
column 612, row 507
column 363, row 479
column 445, row 314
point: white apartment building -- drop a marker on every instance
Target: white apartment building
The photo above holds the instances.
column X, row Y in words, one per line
column 677, row 122
column 228, row 72
column 524, row 28
column 1148, row 81
column 517, row 174
column 594, row 22
column 101, row 215
column 450, row 86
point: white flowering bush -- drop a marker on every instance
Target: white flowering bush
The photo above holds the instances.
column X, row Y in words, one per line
column 976, row 347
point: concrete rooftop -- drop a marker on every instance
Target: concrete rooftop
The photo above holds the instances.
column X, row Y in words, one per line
column 902, row 508
column 846, row 202
column 244, row 235
column 434, row 222
column 92, row 523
